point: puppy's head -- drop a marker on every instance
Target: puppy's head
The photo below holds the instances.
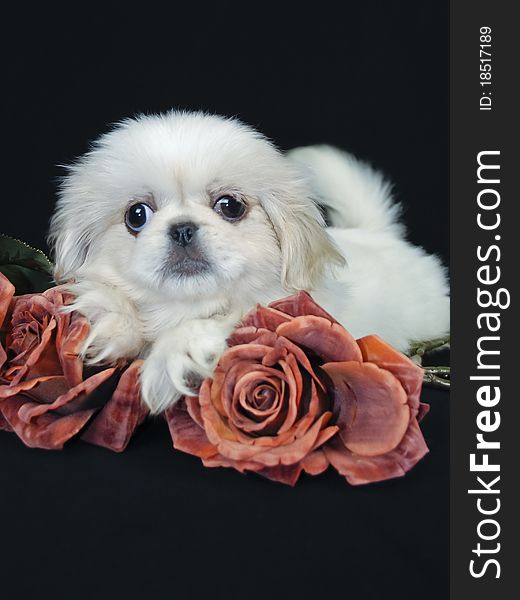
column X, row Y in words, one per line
column 187, row 204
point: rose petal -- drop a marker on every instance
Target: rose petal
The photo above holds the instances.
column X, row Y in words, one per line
column 244, row 373
column 6, row 295
column 212, row 416
column 295, row 390
column 42, row 361
column 43, row 390
column 296, row 451
column 193, row 407
column 360, row 470
column 244, row 353
column 287, row 474
column 286, row 453
column 223, row 390
column 376, row 351
column 250, row 419
column 251, row 335
column 284, row 348
column 329, row 341
column 48, row 431
column 31, row 316
column 37, row 305
column 238, row 379
column 69, row 343
column 8, row 390
column 187, row 436
column 3, row 356
column 79, row 393
column 261, row 399
column 217, row 460
column 424, row 409
column 264, row 317
column 4, row 425
column 115, row 424
column 319, row 400
column 301, row 304
column 315, row 463
column 381, row 415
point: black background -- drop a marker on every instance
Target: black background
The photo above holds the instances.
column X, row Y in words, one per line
column 373, row 79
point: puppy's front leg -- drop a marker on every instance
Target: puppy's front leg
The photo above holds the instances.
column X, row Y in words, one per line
column 115, row 328
column 182, row 357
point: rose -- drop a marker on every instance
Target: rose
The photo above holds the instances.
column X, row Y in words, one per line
column 44, row 396
column 265, row 410
column 296, row 393
column 6, row 295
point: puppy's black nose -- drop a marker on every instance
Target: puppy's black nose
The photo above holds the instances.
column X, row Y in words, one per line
column 183, row 233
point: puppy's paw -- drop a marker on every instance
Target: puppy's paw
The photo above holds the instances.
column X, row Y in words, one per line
column 157, row 387
column 181, row 359
column 205, row 343
column 168, row 374
column 115, row 329
column 113, row 337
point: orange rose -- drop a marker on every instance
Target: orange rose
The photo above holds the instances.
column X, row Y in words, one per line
column 44, row 396
column 296, row 393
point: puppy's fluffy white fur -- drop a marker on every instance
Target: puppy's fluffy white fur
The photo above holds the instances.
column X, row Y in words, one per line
column 361, row 269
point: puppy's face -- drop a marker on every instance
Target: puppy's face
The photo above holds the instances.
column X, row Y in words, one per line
column 186, row 205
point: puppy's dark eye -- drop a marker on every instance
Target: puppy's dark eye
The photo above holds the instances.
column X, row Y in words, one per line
column 137, row 216
column 230, row 208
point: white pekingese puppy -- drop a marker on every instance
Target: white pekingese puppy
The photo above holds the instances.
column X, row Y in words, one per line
column 173, row 226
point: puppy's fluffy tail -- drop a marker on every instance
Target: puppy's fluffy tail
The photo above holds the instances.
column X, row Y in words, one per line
column 352, row 193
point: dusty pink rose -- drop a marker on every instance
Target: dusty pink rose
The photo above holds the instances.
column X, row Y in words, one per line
column 296, row 393
column 46, row 397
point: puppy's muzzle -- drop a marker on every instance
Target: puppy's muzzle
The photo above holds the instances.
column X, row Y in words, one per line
column 187, row 257
column 183, row 234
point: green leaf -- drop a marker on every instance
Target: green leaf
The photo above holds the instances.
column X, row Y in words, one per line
column 27, row 268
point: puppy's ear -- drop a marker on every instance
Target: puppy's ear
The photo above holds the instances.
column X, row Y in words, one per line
column 306, row 248
column 69, row 234
column 69, row 247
